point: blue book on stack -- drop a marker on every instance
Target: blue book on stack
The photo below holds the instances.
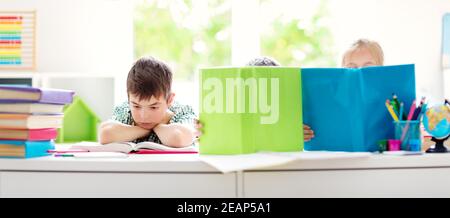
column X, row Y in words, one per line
column 25, row 149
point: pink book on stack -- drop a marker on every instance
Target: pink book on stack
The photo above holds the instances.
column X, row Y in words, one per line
column 28, row 134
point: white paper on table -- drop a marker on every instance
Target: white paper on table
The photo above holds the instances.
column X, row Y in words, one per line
column 231, row 163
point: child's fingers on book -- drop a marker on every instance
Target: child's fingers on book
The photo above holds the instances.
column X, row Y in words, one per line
column 198, row 126
column 305, row 127
column 308, row 132
column 198, row 133
column 308, row 137
column 197, row 123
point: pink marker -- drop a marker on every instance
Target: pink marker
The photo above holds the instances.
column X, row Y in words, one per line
column 410, row 115
column 411, row 111
column 66, row 151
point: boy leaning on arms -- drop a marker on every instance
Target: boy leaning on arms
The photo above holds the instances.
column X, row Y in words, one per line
column 150, row 114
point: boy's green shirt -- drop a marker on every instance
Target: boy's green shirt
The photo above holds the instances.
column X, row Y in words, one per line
column 183, row 114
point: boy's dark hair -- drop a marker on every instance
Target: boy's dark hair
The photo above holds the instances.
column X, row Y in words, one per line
column 149, row 77
column 263, row 61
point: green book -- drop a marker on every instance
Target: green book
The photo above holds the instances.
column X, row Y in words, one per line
column 250, row 109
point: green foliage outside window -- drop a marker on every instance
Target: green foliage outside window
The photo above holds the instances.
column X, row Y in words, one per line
column 187, row 38
column 195, row 33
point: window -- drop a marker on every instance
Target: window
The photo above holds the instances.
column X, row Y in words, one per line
column 194, row 33
column 296, row 32
column 187, row 34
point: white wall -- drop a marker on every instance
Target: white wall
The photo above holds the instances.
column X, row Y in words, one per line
column 409, row 31
column 92, row 37
column 81, row 35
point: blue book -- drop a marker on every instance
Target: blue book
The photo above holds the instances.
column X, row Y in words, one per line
column 25, row 149
column 346, row 107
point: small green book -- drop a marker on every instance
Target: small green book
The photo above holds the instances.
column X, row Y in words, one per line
column 250, row 109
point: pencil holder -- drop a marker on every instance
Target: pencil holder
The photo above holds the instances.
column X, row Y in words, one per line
column 415, row 145
column 408, row 132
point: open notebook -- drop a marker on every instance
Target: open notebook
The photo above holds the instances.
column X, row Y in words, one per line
column 129, row 147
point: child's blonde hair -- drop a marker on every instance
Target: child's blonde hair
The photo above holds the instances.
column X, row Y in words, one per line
column 373, row 47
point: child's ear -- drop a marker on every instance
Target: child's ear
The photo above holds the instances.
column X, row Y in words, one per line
column 170, row 99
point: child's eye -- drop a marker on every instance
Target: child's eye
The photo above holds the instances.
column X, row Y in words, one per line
column 136, row 107
column 154, row 108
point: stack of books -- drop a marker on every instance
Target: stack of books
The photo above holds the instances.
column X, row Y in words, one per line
column 29, row 119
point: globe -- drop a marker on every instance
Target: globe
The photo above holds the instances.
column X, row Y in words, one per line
column 437, row 121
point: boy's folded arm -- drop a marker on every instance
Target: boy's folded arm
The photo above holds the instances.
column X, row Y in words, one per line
column 113, row 131
column 175, row 134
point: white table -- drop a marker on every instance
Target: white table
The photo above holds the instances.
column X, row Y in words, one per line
column 183, row 175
